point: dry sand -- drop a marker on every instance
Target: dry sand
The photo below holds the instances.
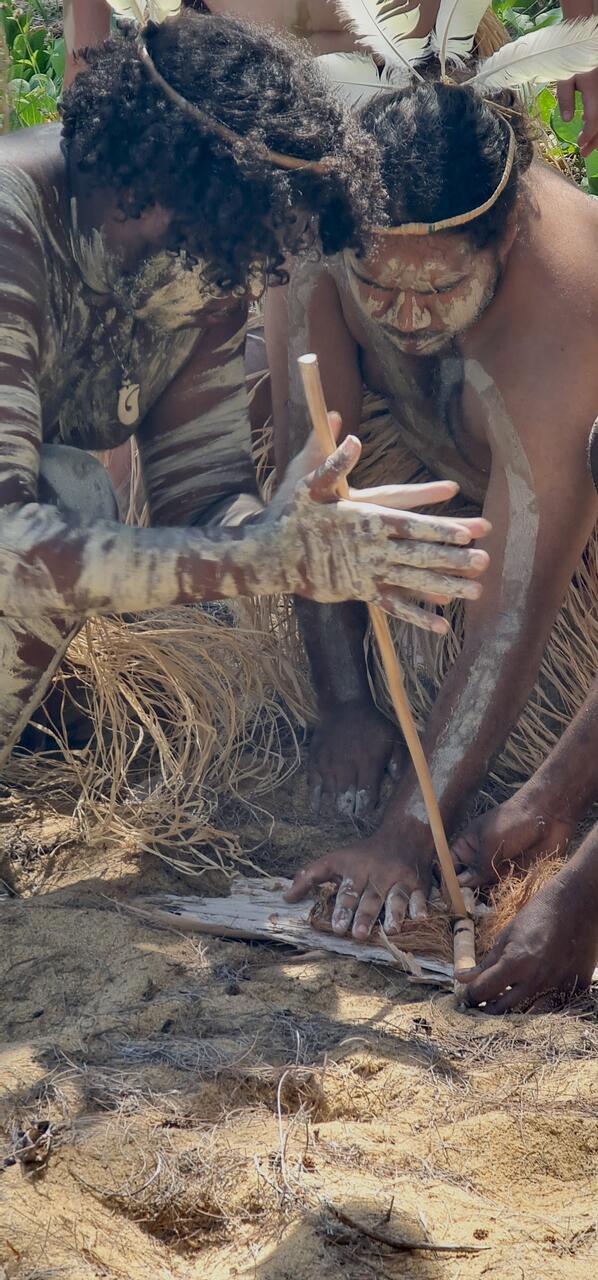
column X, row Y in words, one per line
column 210, row 1100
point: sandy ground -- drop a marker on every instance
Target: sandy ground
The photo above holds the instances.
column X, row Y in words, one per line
column 213, row 1103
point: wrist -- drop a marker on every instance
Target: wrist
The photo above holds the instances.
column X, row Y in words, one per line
column 582, row 866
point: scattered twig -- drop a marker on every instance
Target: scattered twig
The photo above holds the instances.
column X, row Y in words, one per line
column 110, row 1194
column 399, row 1245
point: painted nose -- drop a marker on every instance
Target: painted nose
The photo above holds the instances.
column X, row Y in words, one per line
column 409, row 314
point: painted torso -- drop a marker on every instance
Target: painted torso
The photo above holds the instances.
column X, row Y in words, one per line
column 100, row 326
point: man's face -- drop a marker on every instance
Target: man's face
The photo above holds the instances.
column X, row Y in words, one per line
column 424, row 291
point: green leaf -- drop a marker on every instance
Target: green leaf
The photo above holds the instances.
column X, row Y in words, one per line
column 37, row 39
column 591, row 167
column 57, row 60
column 18, row 86
column 545, row 104
column 45, row 85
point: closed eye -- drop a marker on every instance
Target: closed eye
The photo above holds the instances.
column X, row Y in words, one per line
column 422, row 293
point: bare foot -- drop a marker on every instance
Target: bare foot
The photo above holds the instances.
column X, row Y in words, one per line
column 351, row 749
column 518, row 832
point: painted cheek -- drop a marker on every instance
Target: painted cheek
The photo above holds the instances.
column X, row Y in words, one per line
column 458, row 310
column 373, row 305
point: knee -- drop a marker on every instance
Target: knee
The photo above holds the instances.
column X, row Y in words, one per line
column 76, row 483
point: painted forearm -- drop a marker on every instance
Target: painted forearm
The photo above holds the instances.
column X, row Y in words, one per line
column 478, row 705
column 489, row 683
column 49, row 565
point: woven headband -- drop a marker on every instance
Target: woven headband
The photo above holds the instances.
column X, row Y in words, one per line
column 460, row 219
column 276, row 158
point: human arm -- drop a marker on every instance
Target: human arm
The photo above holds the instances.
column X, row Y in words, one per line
column 541, row 818
column 353, row 742
column 586, row 84
column 86, row 23
column 550, row 945
column 306, row 541
column 534, row 548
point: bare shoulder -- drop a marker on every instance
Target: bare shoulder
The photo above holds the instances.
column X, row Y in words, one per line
column 312, row 286
column 538, row 338
column 34, row 152
column 32, row 183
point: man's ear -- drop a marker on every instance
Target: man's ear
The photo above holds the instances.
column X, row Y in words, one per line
column 508, row 236
column 593, row 454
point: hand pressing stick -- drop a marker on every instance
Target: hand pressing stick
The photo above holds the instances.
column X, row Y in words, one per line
column 314, row 394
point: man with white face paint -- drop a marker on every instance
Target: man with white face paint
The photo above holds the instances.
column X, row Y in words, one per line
column 130, row 248
column 475, row 315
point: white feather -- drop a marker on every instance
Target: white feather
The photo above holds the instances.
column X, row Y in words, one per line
column 355, row 76
column 357, row 79
column 456, row 26
column 143, row 11
column 382, row 25
column 554, row 53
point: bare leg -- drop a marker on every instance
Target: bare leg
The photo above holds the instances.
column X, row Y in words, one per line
column 32, row 649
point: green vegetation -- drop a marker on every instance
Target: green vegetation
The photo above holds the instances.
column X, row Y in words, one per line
column 35, row 71
column 530, row 15
column 35, row 55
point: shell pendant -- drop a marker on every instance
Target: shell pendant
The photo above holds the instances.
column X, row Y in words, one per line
column 128, row 404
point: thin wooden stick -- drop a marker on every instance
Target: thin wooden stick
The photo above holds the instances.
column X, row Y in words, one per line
column 401, row 1246
column 314, row 395
column 464, row 945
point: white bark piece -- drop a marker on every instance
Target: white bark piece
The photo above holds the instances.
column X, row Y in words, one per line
column 255, row 909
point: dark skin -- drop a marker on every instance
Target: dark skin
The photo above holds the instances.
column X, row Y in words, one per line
column 509, row 424
column 82, row 283
column 552, row 944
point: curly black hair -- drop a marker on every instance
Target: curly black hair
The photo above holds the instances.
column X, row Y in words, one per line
column 443, row 152
column 231, row 208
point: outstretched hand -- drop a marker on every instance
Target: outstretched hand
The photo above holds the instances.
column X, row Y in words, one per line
column 371, row 546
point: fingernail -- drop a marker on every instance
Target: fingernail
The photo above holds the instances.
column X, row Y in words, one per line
column 361, row 930
column 479, row 559
column 463, row 539
column 341, row 920
column 346, row 803
column 567, row 115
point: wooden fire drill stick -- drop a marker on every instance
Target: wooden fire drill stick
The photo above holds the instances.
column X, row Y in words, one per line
column 314, row 395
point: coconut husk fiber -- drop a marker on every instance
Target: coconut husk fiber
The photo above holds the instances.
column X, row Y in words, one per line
column 184, row 721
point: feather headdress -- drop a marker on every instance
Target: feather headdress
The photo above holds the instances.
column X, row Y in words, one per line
column 385, row 27
column 144, row 11
column 157, row 11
